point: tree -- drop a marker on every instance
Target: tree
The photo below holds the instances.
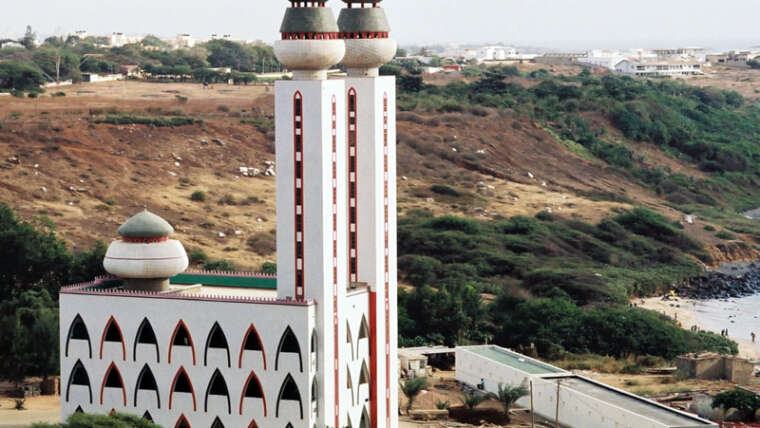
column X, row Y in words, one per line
column 225, row 53
column 508, row 395
column 29, row 40
column 219, row 266
column 20, row 76
column 116, row 420
column 471, row 401
column 153, row 41
column 754, row 63
column 744, row 401
column 29, row 341
column 412, row 388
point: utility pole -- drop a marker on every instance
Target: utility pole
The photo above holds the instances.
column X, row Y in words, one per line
column 532, row 410
column 556, row 413
column 58, row 66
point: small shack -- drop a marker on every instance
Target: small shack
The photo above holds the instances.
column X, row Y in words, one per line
column 711, row 366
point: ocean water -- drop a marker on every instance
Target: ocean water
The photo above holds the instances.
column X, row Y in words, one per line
column 741, row 316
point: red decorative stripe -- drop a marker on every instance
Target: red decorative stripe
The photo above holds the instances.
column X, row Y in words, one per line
column 364, row 35
column 335, row 256
column 353, row 230
column 373, row 360
column 181, row 324
column 145, row 240
column 298, row 207
column 310, row 36
column 174, row 384
column 105, row 378
column 113, row 321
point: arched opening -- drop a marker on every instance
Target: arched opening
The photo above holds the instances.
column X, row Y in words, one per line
column 253, row 424
column 314, row 390
column 79, row 410
column 350, row 340
column 78, row 331
column 289, row 392
column 314, row 348
column 147, row 416
column 365, row 419
column 78, row 377
column 217, row 386
column 182, row 422
column 350, row 385
column 113, row 379
column 364, row 375
column 112, row 334
column 216, row 340
column 182, row 338
column 288, row 344
column 217, row 423
column 147, row 382
column 181, row 384
column 146, row 336
column 252, row 342
column 253, row 389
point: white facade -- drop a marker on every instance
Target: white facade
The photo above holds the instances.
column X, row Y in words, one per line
column 662, row 67
column 185, row 41
column 495, row 53
column 583, row 403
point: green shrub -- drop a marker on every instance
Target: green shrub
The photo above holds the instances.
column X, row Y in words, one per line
column 125, row 119
column 269, row 268
column 219, row 266
column 198, row 196
column 197, row 256
column 443, row 189
column 723, row 234
column 709, row 228
column 745, row 401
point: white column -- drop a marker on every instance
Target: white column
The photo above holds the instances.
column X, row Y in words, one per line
column 376, row 225
column 316, row 197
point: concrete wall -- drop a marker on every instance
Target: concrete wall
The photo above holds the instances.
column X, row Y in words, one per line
column 198, row 316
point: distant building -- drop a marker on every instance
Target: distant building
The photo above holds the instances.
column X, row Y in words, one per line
column 82, row 34
column 560, row 58
column 117, row 40
column 733, row 58
column 659, row 67
column 690, row 51
column 603, row 58
column 495, row 53
column 94, row 78
column 185, row 41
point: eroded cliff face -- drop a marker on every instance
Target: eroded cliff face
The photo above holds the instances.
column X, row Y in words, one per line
column 733, row 251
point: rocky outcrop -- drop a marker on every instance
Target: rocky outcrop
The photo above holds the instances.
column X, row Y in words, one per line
column 733, row 251
column 730, row 280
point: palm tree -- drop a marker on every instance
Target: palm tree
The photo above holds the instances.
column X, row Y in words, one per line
column 412, row 389
column 508, row 395
column 471, row 401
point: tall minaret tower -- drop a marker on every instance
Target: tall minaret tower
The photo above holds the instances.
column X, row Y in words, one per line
column 371, row 145
column 311, row 154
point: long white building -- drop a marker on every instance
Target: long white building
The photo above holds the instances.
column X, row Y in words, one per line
column 314, row 347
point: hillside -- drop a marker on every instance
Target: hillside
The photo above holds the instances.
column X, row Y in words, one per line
column 88, row 177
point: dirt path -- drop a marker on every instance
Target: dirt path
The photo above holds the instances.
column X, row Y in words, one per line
column 38, row 409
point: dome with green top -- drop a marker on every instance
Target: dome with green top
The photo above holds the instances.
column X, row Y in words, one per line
column 145, row 225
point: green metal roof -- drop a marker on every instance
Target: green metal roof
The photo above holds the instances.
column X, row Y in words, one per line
column 242, row 281
column 515, row 360
column 145, row 224
column 309, row 20
column 368, row 19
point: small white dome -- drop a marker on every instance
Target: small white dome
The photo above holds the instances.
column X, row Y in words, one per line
column 159, row 260
column 311, row 56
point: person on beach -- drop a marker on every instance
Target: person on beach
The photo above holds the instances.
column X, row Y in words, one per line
column 753, row 337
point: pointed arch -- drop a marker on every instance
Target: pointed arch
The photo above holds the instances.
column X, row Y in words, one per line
column 350, row 385
column 350, row 340
column 217, row 386
column 218, row 340
column 288, row 344
column 364, row 328
column 182, row 383
column 78, row 331
column 112, row 333
column 314, row 348
column 181, row 337
column 289, row 391
column 252, row 342
column 145, row 336
column 364, row 374
column 253, row 389
column 365, row 421
column 289, row 425
column 147, row 382
column 314, row 390
column 147, row 416
column 79, row 377
column 217, row 423
column 253, row 424
column 79, row 410
column 113, row 379
column 182, row 422
column 348, row 419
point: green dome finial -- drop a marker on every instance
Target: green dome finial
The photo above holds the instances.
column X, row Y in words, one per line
column 145, row 224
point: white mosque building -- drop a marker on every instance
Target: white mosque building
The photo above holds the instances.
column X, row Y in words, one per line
column 313, row 347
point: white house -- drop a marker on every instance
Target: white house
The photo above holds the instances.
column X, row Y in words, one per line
column 495, row 53
column 313, row 347
column 185, row 41
column 659, row 67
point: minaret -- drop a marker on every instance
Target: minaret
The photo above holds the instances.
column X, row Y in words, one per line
column 371, row 141
column 310, row 154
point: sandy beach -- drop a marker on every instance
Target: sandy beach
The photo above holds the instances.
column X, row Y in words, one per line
column 714, row 315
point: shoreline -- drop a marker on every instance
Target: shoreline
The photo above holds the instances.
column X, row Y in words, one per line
column 687, row 311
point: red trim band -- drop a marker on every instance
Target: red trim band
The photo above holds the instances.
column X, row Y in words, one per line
column 145, row 240
column 363, row 35
column 311, row 36
column 387, row 265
